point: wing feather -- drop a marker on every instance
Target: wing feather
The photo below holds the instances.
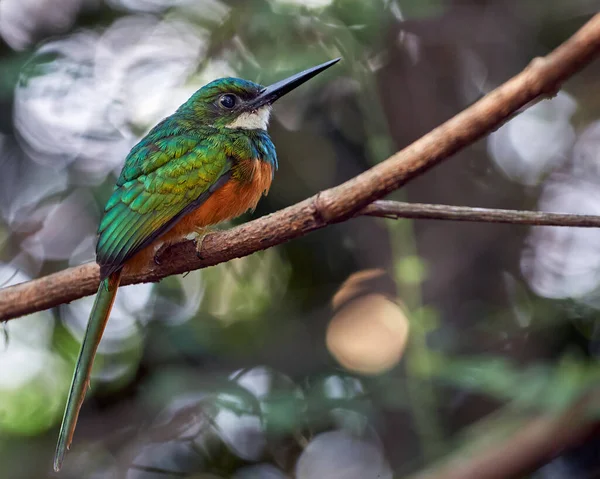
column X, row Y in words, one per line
column 162, row 180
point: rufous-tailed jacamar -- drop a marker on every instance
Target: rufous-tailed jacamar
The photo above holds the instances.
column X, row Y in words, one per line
column 210, row 161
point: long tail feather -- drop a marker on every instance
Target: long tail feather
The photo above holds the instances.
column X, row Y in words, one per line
column 81, row 378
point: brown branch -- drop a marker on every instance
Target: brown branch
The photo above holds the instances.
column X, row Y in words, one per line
column 79, row 281
column 541, row 78
column 536, row 442
column 396, row 210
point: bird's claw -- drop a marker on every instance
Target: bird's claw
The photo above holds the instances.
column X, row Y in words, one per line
column 158, row 254
column 200, row 235
column 199, row 241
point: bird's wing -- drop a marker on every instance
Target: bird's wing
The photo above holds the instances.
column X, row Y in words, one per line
column 167, row 141
column 162, row 180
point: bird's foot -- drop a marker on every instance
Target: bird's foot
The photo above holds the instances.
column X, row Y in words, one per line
column 197, row 236
column 200, row 234
column 158, row 253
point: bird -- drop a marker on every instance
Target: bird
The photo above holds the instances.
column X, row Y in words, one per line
column 210, row 161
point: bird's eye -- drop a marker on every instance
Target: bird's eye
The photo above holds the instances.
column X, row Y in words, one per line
column 227, row 101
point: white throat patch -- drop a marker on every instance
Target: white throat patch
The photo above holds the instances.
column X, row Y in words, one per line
column 257, row 120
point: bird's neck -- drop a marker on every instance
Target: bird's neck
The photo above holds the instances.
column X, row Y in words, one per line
column 250, row 144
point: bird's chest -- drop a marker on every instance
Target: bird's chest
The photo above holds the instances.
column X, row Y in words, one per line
column 250, row 181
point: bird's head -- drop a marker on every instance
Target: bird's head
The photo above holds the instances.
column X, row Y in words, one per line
column 236, row 103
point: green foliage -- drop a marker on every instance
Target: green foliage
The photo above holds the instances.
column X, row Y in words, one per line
column 541, row 387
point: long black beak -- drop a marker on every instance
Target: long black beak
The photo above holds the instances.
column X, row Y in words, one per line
column 273, row 92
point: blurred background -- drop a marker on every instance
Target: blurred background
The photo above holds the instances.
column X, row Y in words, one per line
column 371, row 349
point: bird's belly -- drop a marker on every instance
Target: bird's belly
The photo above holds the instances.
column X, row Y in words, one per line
column 231, row 200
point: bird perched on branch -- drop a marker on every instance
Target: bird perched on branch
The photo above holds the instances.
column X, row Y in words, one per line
column 210, row 161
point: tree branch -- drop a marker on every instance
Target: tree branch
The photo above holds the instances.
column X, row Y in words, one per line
column 541, row 78
column 536, row 442
column 397, row 210
column 79, row 281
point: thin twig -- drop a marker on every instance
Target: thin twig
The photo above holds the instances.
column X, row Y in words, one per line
column 396, row 210
column 542, row 78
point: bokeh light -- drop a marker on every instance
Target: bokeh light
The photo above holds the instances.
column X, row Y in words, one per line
column 33, row 378
column 368, row 335
column 337, row 455
column 521, row 149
